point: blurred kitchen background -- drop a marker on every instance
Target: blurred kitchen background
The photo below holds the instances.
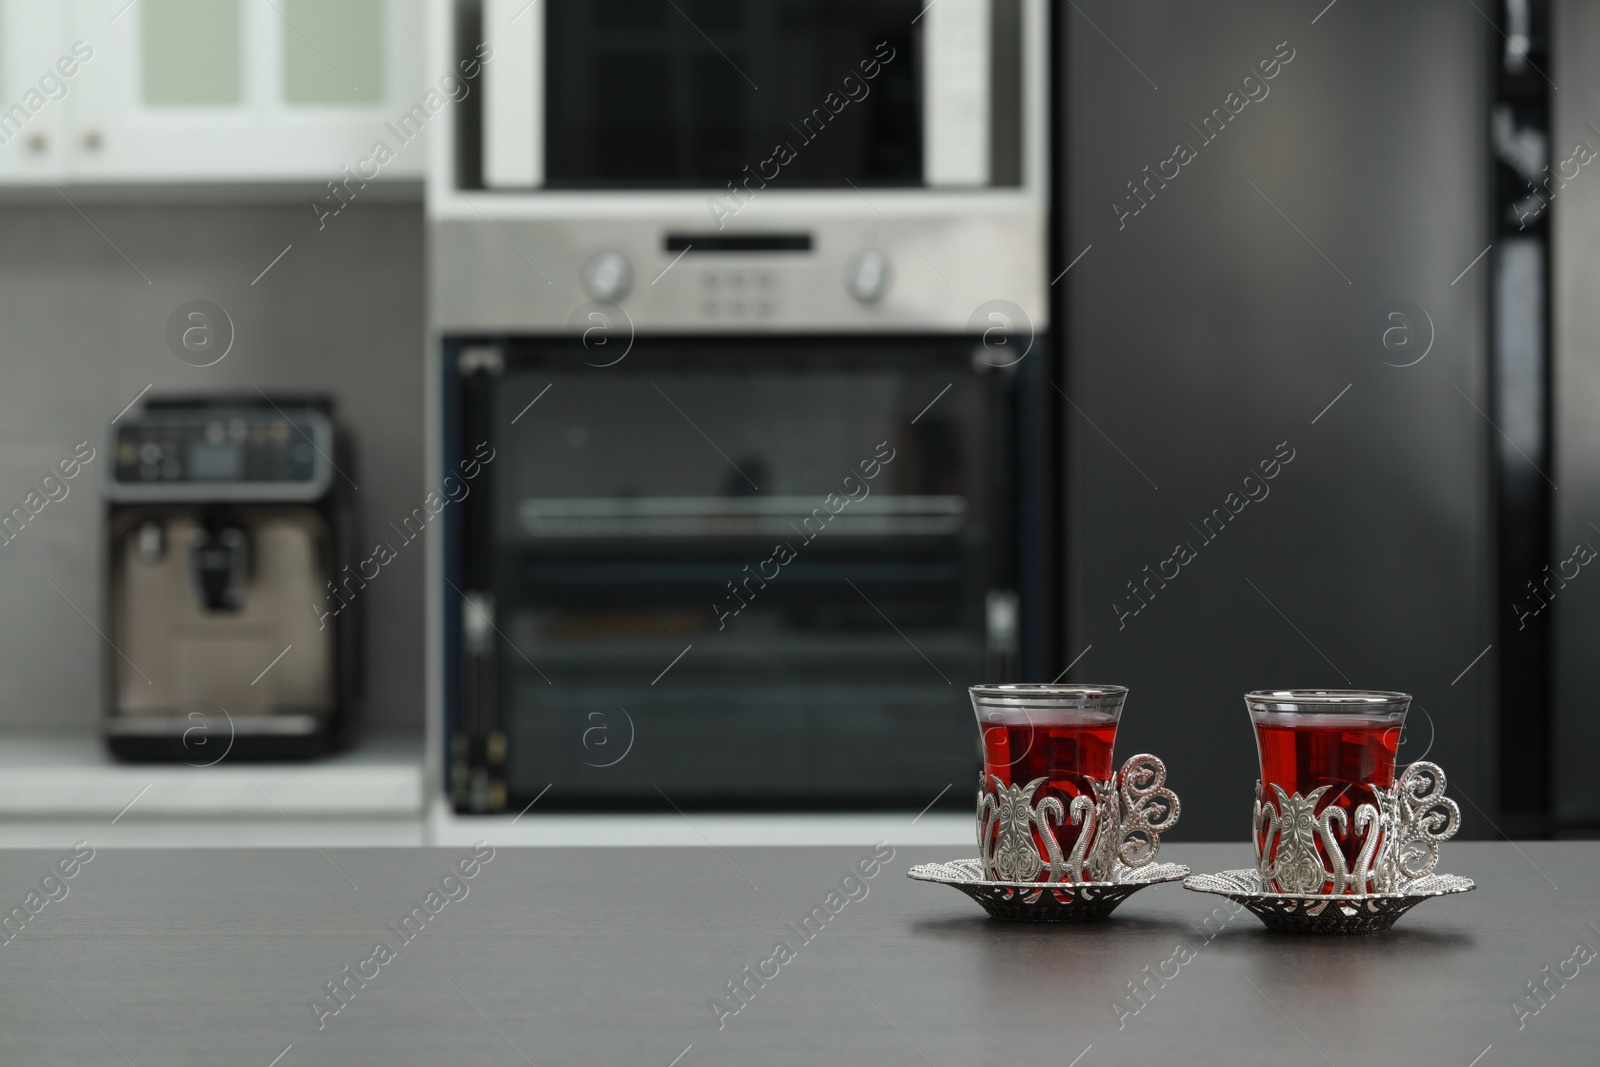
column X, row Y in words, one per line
column 1303, row 288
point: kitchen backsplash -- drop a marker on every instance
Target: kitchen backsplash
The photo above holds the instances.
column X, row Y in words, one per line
column 85, row 303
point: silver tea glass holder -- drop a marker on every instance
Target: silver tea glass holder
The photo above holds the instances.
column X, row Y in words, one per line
column 1113, row 857
column 1393, row 871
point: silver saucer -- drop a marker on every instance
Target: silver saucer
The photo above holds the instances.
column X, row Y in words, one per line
column 1327, row 913
column 1047, row 902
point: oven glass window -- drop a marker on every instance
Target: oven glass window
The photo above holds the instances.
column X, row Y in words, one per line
column 743, row 573
column 690, row 93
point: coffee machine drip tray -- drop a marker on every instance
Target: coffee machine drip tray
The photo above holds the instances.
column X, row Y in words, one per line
column 207, row 734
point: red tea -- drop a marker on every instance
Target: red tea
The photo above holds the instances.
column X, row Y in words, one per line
column 1066, row 753
column 1353, row 757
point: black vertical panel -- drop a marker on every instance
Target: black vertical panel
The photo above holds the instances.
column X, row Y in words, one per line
column 1575, row 402
column 1218, row 313
column 477, row 664
column 1037, row 574
column 1521, row 393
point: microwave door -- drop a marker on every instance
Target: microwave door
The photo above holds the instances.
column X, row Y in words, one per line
column 792, row 94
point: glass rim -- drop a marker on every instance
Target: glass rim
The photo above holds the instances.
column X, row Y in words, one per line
column 1042, row 695
column 1327, row 701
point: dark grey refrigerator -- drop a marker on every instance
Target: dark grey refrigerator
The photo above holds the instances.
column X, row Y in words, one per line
column 1275, row 386
column 1574, row 603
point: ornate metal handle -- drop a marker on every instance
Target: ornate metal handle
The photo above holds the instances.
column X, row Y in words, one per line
column 1423, row 816
column 1149, row 809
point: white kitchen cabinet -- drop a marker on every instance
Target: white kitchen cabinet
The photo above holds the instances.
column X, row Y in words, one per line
column 35, row 91
column 241, row 90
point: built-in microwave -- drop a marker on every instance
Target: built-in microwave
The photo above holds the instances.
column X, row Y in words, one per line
column 734, row 95
column 821, row 166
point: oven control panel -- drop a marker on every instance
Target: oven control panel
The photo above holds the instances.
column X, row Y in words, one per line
column 733, row 294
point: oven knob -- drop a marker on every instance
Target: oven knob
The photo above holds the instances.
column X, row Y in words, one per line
column 607, row 277
column 866, row 276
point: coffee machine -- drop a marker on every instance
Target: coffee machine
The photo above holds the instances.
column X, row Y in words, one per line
column 228, row 521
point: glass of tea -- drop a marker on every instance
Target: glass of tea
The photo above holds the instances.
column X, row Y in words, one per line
column 1327, row 759
column 1047, row 780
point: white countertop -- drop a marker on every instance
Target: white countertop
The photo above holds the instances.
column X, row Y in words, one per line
column 59, row 785
column 699, row 829
column 56, row 774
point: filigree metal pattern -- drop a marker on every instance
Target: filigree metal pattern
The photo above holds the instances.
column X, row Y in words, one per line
column 1418, row 816
column 1092, row 858
column 1392, row 873
column 1326, row 913
column 1120, row 823
column 1006, row 819
column 1028, row 901
column 1149, row 809
column 1399, row 836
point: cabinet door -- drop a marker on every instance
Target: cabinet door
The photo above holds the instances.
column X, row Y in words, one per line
column 249, row 90
column 35, row 92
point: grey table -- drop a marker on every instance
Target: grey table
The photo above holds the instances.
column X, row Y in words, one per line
column 613, row 957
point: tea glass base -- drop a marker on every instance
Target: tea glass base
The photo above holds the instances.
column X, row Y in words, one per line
column 1326, row 913
column 1047, row 902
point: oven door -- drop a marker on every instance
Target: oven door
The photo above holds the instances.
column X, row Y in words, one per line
column 710, row 94
column 736, row 572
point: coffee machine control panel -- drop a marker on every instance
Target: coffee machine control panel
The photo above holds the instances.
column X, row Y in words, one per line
column 174, row 454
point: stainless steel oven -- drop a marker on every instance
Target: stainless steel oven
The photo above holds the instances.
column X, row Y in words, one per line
column 742, row 571
column 697, row 270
